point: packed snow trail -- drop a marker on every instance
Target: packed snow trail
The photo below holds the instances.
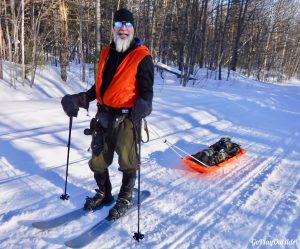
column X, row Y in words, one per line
column 254, row 199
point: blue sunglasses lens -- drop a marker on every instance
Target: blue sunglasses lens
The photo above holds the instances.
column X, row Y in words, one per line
column 129, row 25
column 120, row 24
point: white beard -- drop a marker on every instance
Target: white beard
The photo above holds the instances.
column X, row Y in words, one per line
column 122, row 44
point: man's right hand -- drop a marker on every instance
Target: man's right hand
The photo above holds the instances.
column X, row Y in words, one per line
column 70, row 104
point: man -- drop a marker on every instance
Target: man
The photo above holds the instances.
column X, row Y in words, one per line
column 124, row 91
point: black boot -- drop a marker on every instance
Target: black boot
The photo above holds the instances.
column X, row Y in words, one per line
column 125, row 196
column 108, row 198
column 103, row 195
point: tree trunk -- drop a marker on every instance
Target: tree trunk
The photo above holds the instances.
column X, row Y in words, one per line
column 242, row 10
column 23, row 43
column 224, row 30
column 98, row 35
column 203, row 33
column 266, row 57
column 81, row 42
column 35, row 29
column 8, row 38
column 1, row 47
column 98, row 27
column 16, row 43
column 63, row 14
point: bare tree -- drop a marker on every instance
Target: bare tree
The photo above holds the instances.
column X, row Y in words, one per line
column 223, row 31
column 23, row 41
column 1, row 45
column 9, row 42
column 257, row 37
column 63, row 19
column 98, row 26
column 39, row 11
column 202, row 34
column 240, row 9
column 80, row 4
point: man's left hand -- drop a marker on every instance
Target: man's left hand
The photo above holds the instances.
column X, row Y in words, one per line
column 141, row 109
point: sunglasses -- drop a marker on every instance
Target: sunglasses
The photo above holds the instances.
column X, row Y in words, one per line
column 120, row 24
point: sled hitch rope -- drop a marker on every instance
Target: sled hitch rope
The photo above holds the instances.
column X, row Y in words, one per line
column 175, row 149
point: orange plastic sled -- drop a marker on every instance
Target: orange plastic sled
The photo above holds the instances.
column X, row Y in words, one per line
column 201, row 168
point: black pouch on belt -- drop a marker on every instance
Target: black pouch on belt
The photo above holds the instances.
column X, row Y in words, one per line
column 98, row 136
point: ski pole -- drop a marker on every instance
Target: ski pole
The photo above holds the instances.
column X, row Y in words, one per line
column 65, row 196
column 138, row 235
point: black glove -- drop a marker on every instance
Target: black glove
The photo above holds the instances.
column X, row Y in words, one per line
column 71, row 103
column 141, row 109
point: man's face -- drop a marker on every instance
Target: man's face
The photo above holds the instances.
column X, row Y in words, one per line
column 122, row 35
column 123, row 29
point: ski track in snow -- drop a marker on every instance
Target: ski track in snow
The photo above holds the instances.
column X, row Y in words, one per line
column 256, row 197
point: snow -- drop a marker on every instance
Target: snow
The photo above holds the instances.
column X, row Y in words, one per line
column 252, row 203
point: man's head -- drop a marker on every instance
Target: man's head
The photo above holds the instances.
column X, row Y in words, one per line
column 123, row 29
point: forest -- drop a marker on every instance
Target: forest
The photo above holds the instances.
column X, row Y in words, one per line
column 257, row 38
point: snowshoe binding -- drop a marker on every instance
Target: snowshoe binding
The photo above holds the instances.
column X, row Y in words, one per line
column 121, row 207
column 97, row 200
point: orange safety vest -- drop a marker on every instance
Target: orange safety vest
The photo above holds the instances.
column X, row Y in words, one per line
column 122, row 91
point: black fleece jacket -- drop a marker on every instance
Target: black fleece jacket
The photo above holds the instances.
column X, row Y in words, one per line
column 145, row 73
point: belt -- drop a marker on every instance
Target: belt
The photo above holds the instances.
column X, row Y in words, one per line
column 114, row 111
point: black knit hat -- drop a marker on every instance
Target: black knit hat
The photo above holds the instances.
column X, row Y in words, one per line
column 122, row 15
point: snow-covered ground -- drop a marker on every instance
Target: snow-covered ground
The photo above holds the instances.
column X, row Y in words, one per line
column 253, row 203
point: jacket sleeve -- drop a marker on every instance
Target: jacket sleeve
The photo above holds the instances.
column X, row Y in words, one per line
column 91, row 93
column 145, row 78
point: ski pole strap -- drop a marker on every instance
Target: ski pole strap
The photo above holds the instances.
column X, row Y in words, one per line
column 138, row 131
column 146, row 130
